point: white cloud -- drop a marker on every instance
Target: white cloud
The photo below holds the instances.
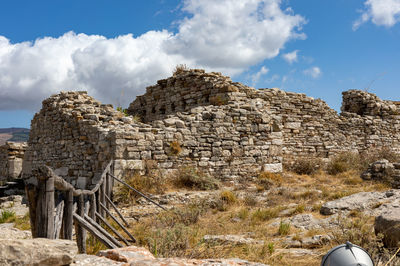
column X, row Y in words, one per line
column 314, row 72
column 291, row 57
column 227, row 35
column 380, row 12
column 256, row 77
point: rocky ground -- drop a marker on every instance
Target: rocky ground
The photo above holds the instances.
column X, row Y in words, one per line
column 318, row 212
column 295, row 220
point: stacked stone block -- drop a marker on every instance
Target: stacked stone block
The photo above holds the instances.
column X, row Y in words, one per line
column 11, row 158
column 206, row 121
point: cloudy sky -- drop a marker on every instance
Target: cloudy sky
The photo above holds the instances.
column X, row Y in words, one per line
column 115, row 48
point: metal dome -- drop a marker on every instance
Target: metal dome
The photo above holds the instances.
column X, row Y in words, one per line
column 347, row 255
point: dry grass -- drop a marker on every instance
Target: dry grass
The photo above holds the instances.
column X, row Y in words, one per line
column 151, row 183
column 175, row 148
column 193, row 178
column 180, row 232
column 180, row 69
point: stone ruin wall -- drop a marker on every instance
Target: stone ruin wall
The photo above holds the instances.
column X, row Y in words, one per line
column 227, row 129
column 11, row 158
column 184, row 91
column 309, row 126
column 77, row 136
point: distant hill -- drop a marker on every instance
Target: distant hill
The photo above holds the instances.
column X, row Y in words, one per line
column 13, row 134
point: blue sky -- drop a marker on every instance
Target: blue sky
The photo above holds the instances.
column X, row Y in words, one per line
column 114, row 49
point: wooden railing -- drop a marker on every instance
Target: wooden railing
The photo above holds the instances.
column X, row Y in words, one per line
column 55, row 206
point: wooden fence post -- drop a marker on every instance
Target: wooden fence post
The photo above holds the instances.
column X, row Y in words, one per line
column 31, row 193
column 80, row 231
column 50, row 208
column 92, row 211
column 102, row 198
column 68, row 214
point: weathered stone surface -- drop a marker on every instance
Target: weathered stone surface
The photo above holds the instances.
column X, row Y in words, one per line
column 11, row 156
column 136, row 256
column 304, row 221
column 232, row 240
column 38, row 251
column 273, row 168
column 7, row 231
column 370, row 203
column 298, row 252
column 204, row 120
column 89, row 260
column 126, row 254
column 194, row 262
column 315, row 241
column 388, row 224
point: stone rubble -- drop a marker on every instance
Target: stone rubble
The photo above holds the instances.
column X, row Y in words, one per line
column 383, row 170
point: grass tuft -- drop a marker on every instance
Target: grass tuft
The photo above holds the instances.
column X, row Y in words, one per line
column 284, row 229
column 7, row 216
column 193, row 178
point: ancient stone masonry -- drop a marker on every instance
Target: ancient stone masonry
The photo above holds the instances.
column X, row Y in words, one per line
column 77, row 136
column 207, row 121
column 184, row 91
column 11, row 157
column 309, row 126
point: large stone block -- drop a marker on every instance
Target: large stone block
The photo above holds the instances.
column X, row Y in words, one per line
column 273, row 167
column 38, row 251
column 388, row 224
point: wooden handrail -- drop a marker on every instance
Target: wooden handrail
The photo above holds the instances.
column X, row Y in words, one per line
column 137, row 192
column 89, row 206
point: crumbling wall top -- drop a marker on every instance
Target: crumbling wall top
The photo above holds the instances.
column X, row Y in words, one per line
column 184, row 90
column 365, row 103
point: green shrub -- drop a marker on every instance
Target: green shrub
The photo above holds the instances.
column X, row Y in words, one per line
column 193, row 178
column 122, row 110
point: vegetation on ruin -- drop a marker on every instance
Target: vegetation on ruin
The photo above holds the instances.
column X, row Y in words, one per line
column 180, row 68
column 175, row 147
